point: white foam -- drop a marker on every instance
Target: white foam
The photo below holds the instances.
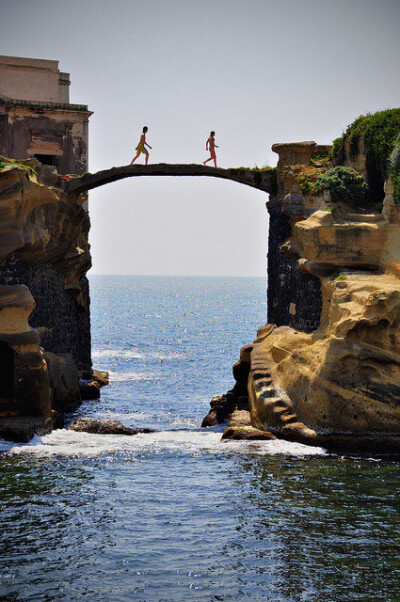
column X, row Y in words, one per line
column 118, row 377
column 117, row 353
column 71, row 443
column 135, row 354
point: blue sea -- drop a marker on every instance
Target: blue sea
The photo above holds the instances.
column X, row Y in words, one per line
column 177, row 515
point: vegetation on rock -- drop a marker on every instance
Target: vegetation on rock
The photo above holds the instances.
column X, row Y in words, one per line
column 344, row 184
column 5, row 162
column 258, row 172
column 307, row 182
column 378, row 131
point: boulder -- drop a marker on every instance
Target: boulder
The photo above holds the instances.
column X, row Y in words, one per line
column 246, row 433
column 106, row 426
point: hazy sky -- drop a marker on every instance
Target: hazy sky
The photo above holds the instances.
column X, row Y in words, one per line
column 257, row 72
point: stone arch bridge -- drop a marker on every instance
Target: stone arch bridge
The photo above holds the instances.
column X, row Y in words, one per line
column 260, row 179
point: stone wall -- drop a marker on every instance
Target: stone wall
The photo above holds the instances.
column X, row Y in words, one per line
column 64, row 325
column 294, row 298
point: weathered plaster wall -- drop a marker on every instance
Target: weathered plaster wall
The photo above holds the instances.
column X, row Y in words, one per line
column 31, row 79
column 26, row 131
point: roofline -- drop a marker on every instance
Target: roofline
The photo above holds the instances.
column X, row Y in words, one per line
column 38, row 104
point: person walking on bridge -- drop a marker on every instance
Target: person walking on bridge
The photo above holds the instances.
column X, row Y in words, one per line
column 141, row 147
column 210, row 144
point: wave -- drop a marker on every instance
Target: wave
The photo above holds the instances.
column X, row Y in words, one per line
column 135, row 354
column 119, row 377
column 71, row 443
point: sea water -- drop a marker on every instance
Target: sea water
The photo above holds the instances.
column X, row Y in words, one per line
column 178, row 515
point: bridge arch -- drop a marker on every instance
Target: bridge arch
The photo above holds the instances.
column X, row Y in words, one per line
column 261, row 179
column 220, row 227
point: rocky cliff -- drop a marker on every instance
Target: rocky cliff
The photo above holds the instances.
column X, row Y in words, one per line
column 325, row 370
column 44, row 298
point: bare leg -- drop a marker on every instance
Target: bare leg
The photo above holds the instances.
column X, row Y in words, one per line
column 147, row 158
column 215, row 161
column 207, row 160
column 134, row 159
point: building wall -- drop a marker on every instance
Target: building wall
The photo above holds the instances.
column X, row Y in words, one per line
column 60, row 134
column 33, row 79
column 36, row 118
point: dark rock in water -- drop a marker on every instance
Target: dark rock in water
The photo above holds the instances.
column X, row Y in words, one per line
column 90, row 389
column 21, row 429
column 237, row 398
column 223, row 406
column 91, row 383
column 104, row 427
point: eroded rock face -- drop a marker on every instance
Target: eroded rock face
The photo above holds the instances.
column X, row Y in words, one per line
column 27, row 390
column 341, row 382
column 43, row 224
column 339, row 385
column 327, row 372
column 64, row 382
column 44, row 250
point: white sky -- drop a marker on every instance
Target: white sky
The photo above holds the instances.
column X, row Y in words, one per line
column 257, row 72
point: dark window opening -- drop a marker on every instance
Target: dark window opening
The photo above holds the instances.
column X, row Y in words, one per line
column 6, row 371
column 47, row 159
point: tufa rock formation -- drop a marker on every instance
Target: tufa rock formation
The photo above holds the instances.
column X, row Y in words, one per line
column 44, row 257
column 326, row 370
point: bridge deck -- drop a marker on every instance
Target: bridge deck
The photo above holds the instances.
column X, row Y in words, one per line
column 262, row 180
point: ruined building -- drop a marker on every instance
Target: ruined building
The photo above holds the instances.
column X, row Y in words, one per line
column 36, row 117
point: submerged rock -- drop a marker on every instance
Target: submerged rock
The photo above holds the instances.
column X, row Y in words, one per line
column 104, row 427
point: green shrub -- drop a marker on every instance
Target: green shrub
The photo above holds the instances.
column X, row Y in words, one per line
column 395, row 156
column 379, row 132
column 354, row 144
column 337, row 149
column 344, row 184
